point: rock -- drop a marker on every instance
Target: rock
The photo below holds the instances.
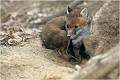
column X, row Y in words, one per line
column 105, row 33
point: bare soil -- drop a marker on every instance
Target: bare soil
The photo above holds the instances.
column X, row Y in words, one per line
column 31, row 61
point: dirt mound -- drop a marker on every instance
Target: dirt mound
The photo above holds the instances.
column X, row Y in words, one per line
column 105, row 33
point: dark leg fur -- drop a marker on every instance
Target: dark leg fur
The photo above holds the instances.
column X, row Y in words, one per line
column 73, row 58
column 83, row 52
column 71, row 51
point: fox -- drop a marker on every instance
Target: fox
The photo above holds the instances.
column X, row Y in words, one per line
column 65, row 33
column 78, row 27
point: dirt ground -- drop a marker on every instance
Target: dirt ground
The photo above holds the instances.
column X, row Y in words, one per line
column 29, row 60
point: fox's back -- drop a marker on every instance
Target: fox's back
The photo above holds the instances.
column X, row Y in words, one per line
column 54, row 34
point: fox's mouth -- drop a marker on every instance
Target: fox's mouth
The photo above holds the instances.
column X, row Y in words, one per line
column 68, row 35
column 73, row 36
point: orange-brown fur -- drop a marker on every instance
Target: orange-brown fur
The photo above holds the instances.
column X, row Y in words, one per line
column 75, row 21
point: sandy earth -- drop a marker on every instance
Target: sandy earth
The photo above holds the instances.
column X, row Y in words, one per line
column 30, row 61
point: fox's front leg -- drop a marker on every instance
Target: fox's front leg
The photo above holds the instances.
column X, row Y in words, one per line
column 63, row 54
column 83, row 51
column 70, row 48
column 71, row 53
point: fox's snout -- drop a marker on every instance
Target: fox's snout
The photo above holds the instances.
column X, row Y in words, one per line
column 70, row 32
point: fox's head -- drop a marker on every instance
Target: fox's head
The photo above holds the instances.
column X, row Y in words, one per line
column 76, row 20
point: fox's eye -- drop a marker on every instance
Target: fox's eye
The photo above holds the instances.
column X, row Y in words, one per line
column 76, row 26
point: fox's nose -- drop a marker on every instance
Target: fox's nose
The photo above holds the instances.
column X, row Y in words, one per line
column 69, row 32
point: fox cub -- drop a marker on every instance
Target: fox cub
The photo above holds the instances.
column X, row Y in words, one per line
column 78, row 26
column 65, row 33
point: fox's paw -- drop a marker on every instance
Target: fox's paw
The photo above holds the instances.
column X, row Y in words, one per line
column 73, row 60
column 86, row 55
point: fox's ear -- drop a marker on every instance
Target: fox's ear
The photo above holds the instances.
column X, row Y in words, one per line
column 84, row 12
column 68, row 10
